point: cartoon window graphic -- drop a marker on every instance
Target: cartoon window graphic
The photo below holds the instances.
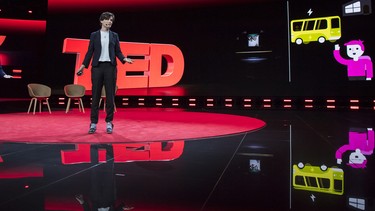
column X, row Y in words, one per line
column 315, row 30
column 357, row 203
column 357, row 7
column 318, row 179
column 361, row 141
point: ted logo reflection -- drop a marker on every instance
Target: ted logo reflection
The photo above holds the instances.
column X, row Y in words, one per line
column 152, row 151
column 93, row 162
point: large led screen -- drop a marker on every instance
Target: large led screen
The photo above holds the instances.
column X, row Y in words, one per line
column 208, row 48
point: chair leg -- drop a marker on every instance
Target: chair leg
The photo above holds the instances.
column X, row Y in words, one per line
column 100, row 102
column 49, row 109
column 31, row 103
column 35, row 102
column 80, row 107
column 114, row 104
column 67, row 106
column 80, row 101
column 40, row 106
column 104, row 102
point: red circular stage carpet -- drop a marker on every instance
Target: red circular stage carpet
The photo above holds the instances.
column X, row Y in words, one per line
column 130, row 125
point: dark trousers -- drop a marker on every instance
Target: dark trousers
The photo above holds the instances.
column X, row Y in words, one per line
column 103, row 189
column 103, row 74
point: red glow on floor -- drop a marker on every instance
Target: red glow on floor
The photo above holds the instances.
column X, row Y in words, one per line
column 131, row 126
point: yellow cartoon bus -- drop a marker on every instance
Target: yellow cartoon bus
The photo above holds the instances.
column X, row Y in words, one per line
column 318, row 179
column 316, row 30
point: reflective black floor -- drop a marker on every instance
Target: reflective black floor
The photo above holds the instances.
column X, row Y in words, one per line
column 291, row 164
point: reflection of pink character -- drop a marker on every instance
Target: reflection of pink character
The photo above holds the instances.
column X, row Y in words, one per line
column 360, row 142
column 359, row 67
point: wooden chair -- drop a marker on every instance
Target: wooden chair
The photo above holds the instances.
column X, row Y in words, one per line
column 75, row 92
column 38, row 92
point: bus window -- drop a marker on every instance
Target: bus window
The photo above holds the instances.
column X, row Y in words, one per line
column 297, row 26
column 324, row 183
column 299, row 180
column 335, row 23
column 338, row 185
column 311, row 181
column 309, row 25
column 321, row 24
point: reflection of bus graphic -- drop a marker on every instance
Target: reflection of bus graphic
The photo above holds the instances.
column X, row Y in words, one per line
column 318, row 179
column 316, row 29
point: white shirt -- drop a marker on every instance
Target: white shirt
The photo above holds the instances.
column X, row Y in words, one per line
column 104, row 38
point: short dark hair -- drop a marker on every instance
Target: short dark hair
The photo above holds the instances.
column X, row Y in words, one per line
column 106, row 16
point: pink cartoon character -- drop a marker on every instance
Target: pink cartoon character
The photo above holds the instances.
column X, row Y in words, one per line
column 362, row 143
column 359, row 67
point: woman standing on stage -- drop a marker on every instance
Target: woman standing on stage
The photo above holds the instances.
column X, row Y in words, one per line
column 103, row 49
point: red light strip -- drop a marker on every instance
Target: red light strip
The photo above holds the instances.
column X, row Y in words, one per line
column 19, row 25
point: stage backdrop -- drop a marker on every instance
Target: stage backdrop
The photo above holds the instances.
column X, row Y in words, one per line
column 229, row 48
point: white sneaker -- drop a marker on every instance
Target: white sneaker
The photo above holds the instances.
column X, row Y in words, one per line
column 109, row 127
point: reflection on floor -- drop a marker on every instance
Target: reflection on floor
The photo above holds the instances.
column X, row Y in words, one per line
column 302, row 160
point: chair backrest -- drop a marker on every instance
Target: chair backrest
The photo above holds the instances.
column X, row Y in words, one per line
column 74, row 90
column 39, row 90
column 103, row 91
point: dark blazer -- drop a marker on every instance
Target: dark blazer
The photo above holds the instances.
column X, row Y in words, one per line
column 95, row 48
